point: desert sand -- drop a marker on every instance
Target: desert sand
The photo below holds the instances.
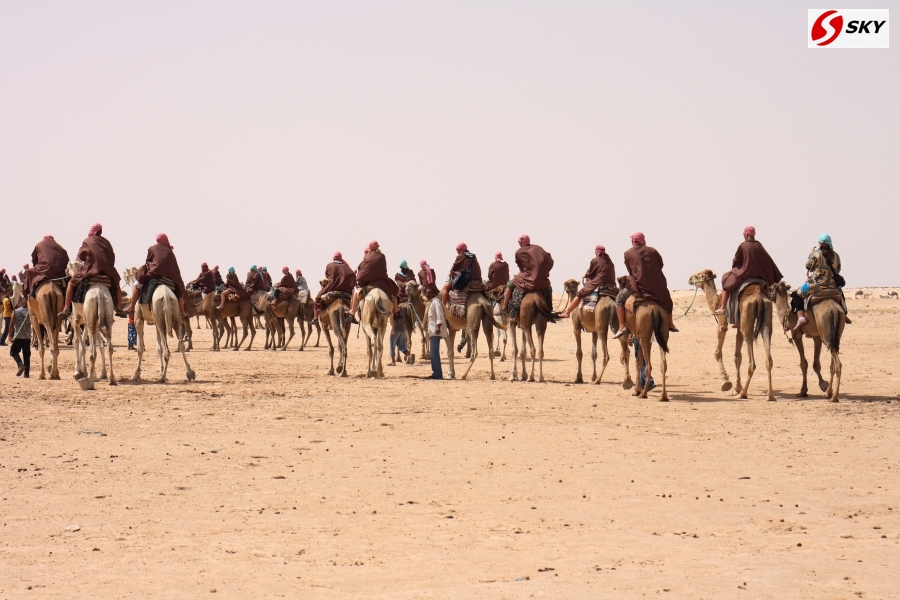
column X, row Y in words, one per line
column 266, row 479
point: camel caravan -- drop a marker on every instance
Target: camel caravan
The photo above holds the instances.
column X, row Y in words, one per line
column 84, row 297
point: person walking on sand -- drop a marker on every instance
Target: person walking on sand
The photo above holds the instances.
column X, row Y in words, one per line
column 437, row 331
column 20, row 337
column 7, row 315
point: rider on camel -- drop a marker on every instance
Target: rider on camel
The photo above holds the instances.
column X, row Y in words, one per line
column 601, row 273
column 534, row 265
column 465, row 274
column 646, row 278
column 160, row 263
column 339, row 278
column 751, row 261
column 50, row 261
column 98, row 258
column 372, row 272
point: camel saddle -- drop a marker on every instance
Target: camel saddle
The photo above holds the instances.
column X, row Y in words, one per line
column 332, row 296
column 829, row 294
column 590, row 302
column 148, row 290
column 458, row 303
column 83, row 287
column 733, row 306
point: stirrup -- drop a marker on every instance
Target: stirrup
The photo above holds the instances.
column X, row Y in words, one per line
column 718, row 312
column 620, row 333
column 801, row 321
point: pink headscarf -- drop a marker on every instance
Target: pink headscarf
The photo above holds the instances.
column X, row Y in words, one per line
column 373, row 245
column 498, row 256
column 423, row 263
column 429, row 274
column 285, row 270
column 95, row 229
column 599, row 249
column 216, row 268
column 337, row 255
column 637, row 239
column 524, row 239
column 461, row 247
column 204, row 266
column 25, row 267
column 298, row 272
column 163, row 239
column 750, row 230
column 49, row 237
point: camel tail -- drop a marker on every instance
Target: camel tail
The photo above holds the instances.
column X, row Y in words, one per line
column 613, row 319
column 657, row 329
column 759, row 319
column 830, row 331
column 542, row 308
column 49, row 311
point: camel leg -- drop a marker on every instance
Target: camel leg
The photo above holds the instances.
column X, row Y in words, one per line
column 370, row 357
column 41, row 344
column 472, row 337
column 188, row 372
column 751, row 363
column 318, row 335
column 291, row 333
column 54, row 356
column 139, row 346
column 450, row 340
column 817, row 363
column 110, row 349
column 343, row 341
column 722, row 332
column 380, row 341
column 602, row 335
column 638, row 365
column 541, row 330
column 330, row 352
column 162, row 350
column 523, row 355
column 804, row 365
column 767, row 346
column 511, row 334
column 738, row 344
column 489, row 337
column 578, row 355
column 593, row 356
column 663, row 366
column 648, row 367
column 625, row 358
column 835, row 385
column 534, row 357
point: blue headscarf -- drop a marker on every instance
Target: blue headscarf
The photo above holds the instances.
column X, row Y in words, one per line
column 403, row 264
column 231, row 270
column 826, row 239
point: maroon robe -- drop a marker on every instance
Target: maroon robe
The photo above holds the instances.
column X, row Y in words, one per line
column 429, row 290
column 161, row 262
column 534, row 268
column 217, row 277
column 645, row 267
column 600, row 272
column 462, row 262
column 233, row 284
column 255, row 282
column 287, row 287
column 372, row 272
column 205, row 282
column 751, row 261
column 341, row 278
column 267, row 279
column 98, row 258
column 50, row 261
column 402, row 278
column 498, row 274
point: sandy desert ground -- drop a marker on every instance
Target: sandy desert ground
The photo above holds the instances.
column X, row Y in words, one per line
column 266, row 479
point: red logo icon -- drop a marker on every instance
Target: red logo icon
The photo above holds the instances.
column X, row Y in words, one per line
column 819, row 32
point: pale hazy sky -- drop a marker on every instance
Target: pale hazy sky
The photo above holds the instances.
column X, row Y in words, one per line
column 277, row 132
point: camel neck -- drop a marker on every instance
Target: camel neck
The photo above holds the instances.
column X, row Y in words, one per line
column 712, row 295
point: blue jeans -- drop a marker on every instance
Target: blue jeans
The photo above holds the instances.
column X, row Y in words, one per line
column 643, row 377
column 436, row 372
column 398, row 342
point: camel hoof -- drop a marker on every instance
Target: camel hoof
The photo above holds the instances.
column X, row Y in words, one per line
column 191, row 376
column 42, row 376
column 771, row 399
column 340, row 369
column 627, row 384
column 79, row 375
column 726, row 385
column 493, row 378
column 55, row 377
column 802, row 395
column 833, row 400
column 161, row 380
column 743, row 396
column 578, row 380
column 113, row 382
column 823, row 385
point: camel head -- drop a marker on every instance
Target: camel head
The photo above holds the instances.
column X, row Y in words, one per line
column 323, row 282
column 73, row 267
column 571, row 287
column 697, row 279
column 782, row 290
column 412, row 288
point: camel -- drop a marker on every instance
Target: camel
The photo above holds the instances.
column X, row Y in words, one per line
column 645, row 321
column 533, row 313
column 231, row 309
column 597, row 322
column 376, row 316
column 95, row 318
column 478, row 314
column 196, row 305
column 44, row 309
column 277, row 314
column 415, row 309
column 501, row 333
column 826, row 325
column 756, row 318
column 332, row 318
column 163, row 312
column 304, row 318
column 859, row 294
